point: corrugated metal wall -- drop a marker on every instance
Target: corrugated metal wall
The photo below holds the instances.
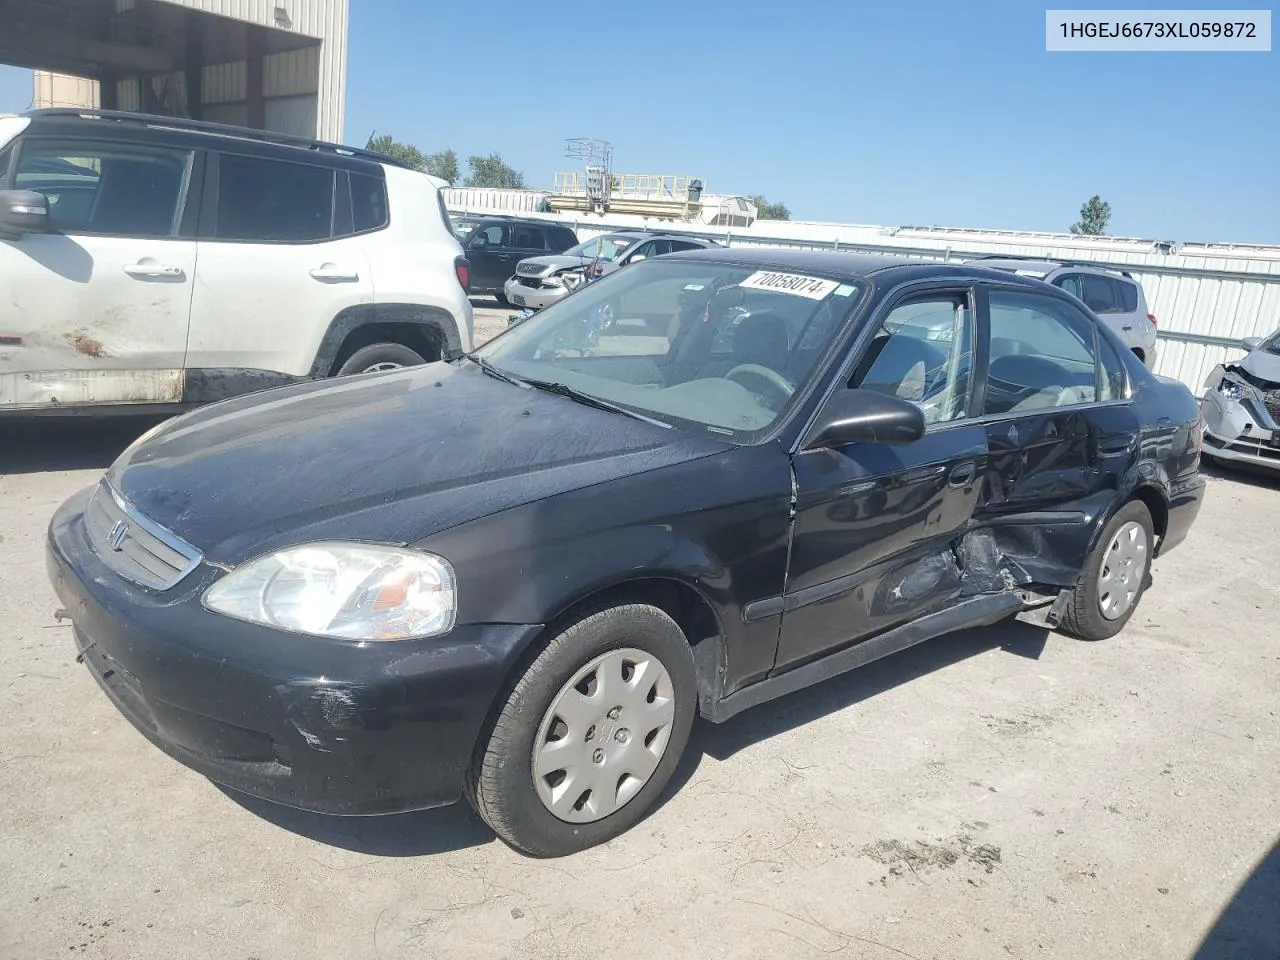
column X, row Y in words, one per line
column 1207, row 297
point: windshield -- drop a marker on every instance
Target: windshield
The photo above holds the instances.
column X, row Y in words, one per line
column 606, row 248
column 711, row 347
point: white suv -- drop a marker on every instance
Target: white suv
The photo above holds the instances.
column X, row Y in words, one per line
column 151, row 262
column 1114, row 296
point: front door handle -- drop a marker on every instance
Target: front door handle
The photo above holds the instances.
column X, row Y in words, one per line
column 962, row 474
column 332, row 273
column 1113, row 445
column 148, row 269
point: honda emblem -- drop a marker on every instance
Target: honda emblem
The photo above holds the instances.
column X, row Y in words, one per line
column 115, row 539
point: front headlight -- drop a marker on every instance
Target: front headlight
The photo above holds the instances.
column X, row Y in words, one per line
column 1233, row 389
column 349, row 591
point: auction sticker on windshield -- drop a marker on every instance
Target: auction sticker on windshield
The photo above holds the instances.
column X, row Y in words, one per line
column 815, row 288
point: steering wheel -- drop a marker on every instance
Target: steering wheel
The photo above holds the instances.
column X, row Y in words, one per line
column 771, row 377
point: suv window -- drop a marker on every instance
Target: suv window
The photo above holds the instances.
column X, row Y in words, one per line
column 923, row 352
column 368, row 202
column 1070, row 282
column 1113, row 379
column 678, row 245
column 1100, row 294
column 528, row 238
column 119, row 189
column 273, row 201
column 1042, row 354
column 497, row 234
column 1128, row 295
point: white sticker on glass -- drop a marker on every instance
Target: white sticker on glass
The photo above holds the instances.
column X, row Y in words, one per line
column 815, row 288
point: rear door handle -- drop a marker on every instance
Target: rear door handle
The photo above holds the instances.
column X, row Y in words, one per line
column 961, row 474
column 1111, row 445
column 150, row 270
column 331, row 273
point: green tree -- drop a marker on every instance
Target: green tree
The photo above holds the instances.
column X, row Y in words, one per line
column 443, row 165
column 1095, row 214
column 490, row 171
column 770, row 211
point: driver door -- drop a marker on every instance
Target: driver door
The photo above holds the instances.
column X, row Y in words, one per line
column 874, row 523
column 491, row 256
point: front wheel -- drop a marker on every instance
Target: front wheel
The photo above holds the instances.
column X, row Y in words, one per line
column 589, row 735
column 1114, row 577
column 502, row 298
column 378, row 357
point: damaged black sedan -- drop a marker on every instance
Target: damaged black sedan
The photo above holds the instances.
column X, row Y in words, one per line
column 698, row 484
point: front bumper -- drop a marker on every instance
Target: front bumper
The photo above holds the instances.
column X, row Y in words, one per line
column 1239, row 431
column 533, row 297
column 320, row 725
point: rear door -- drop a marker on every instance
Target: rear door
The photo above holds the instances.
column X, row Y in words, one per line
column 491, row 257
column 96, row 312
column 1060, row 429
column 526, row 241
column 874, row 524
column 278, row 261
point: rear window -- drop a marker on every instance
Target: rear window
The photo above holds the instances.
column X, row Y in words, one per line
column 1128, row 295
column 273, row 201
column 369, row 202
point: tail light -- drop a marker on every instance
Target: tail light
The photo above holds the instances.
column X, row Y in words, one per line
column 1152, row 318
column 462, row 270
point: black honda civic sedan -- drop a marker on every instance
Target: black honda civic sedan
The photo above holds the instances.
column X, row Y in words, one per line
column 700, row 483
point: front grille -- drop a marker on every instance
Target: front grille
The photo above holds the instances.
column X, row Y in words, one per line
column 133, row 546
column 531, row 276
column 1272, row 401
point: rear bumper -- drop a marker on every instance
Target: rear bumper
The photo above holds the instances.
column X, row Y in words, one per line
column 1185, row 498
column 323, row 726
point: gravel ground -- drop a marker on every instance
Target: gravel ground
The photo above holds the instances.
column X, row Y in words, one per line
column 1003, row 793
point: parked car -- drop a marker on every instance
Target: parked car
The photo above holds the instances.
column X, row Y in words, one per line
column 532, row 567
column 1242, row 407
column 1115, row 297
column 541, row 281
column 494, row 245
column 150, row 262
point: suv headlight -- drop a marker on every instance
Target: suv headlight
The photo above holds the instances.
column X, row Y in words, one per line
column 348, row 591
column 1233, row 389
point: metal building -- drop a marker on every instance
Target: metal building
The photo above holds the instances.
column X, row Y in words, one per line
column 272, row 64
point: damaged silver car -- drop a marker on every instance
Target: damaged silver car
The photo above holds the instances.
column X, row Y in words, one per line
column 1241, row 407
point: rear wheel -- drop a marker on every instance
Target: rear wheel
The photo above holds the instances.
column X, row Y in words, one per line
column 590, row 733
column 380, row 356
column 1114, row 577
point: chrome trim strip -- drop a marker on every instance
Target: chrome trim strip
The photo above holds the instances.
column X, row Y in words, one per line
column 193, row 556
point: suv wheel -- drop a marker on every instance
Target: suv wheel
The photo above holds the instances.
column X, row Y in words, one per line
column 589, row 735
column 380, row 356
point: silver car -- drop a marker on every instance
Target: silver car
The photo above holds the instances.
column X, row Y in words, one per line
column 1241, row 407
column 541, row 281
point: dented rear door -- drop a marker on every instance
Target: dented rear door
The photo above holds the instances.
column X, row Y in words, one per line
column 97, row 312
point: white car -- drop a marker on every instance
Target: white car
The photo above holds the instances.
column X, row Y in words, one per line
column 1241, row 407
column 151, row 262
column 1114, row 296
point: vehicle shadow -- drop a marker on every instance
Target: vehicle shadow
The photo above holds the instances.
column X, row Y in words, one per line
column 456, row 827
column 44, row 444
column 1242, row 473
column 1249, row 926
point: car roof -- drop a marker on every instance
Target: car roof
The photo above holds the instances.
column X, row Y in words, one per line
column 850, row 266
column 1046, row 266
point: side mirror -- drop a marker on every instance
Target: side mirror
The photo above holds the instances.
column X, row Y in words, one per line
column 864, row 416
column 23, row 211
column 478, row 242
column 1251, row 343
column 637, row 258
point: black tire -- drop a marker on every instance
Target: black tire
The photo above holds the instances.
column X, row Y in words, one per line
column 500, row 784
column 380, row 353
column 501, row 297
column 1084, row 617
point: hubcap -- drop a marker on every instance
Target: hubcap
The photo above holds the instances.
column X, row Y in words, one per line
column 603, row 735
column 1120, row 574
column 380, row 367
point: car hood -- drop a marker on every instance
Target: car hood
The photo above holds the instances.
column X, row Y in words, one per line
column 1262, row 364
column 388, row 458
column 541, row 266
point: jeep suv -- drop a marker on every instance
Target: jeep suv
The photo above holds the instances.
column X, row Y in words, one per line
column 1114, row 296
column 495, row 244
column 152, row 261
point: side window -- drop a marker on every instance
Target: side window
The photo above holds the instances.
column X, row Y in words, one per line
column 528, row 238
column 496, row 234
column 4, row 166
column 678, row 245
column 1128, row 295
column 1114, row 383
column 1070, row 282
column 1041, row 354
column 273, row 201
column 923, row 352
column 368, row 202
column 120, row 190
column 1100, row 293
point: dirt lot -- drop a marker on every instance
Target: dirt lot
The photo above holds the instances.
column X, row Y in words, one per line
column 1003, row 793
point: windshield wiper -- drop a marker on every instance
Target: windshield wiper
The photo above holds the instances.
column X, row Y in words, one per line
column 587, row 399
column 493, row 371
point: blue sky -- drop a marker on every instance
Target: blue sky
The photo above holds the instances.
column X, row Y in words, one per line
column 893, row 112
